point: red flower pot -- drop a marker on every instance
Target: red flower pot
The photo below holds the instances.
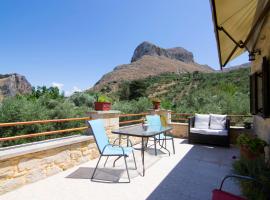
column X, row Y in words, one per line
column 102, row 106
column 156, row 105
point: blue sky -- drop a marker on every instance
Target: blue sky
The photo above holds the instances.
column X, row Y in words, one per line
column 72, row 43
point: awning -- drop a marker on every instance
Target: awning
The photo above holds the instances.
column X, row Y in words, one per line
column 237, row 26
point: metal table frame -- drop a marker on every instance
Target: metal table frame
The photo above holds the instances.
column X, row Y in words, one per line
column 143, row 134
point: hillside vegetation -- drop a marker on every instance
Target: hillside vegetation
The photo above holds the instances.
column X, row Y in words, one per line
column 185, row 93
column 42, row 103
column 193, row 92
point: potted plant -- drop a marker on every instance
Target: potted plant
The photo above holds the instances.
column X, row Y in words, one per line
column 103, row 103
column 251, row 147
column 156, row 103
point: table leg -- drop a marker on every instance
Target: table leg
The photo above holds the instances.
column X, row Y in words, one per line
column 128, row 142
column 120, row 138
column 142, row 153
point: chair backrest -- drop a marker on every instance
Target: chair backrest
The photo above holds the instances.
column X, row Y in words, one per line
column 99, row 133
column 153, row 120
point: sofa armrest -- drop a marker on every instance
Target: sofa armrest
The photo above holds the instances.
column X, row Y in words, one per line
column 228, row 122
column 191, row 121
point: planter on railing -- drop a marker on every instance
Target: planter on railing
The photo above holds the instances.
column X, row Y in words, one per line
column 156, row 105
column 103, row 103
column 102, row 106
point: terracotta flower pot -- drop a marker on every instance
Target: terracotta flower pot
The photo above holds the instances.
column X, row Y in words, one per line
column 102, row 106
column 156, row 105
column 248, row 154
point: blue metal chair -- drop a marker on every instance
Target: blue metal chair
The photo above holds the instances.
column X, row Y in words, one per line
column 155, row 121
column 107, row 149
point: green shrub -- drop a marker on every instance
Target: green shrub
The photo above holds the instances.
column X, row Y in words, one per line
column 103, row 98
column 83, row 99
column 259, row 170
column 33, row 107
column 254, row 144
column 134, row 106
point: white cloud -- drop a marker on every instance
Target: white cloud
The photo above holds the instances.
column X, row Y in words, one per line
column 74, row 89
column 58, row 85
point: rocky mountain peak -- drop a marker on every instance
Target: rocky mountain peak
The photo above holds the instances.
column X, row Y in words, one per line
column 12, row 84
column 147, row 48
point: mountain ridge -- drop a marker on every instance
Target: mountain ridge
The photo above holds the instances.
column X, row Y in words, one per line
column 150, row 60
column 13, row 84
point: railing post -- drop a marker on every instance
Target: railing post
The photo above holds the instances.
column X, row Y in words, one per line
column 110, row 118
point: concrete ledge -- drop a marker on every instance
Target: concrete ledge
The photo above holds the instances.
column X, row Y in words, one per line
column 19, row 150
column 27, row 163
column 105, row 112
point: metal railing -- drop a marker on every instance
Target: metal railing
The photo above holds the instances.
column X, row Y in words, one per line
column 31, row 135
column 124, row 119
column 128, row 119
column 180, row 117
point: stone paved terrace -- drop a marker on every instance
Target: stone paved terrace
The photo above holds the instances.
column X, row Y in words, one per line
column 192, row 173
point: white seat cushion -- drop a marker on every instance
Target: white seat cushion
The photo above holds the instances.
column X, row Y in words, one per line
column 209, row 131
column 218, row 122
column 201, row 121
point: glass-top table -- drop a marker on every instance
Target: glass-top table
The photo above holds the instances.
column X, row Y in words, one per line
column 142, row 131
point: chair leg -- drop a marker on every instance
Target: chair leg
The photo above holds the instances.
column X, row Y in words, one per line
column 146, row 142
column 116, row 160
column 155, row 143
column 134, row 159
column 162, row 142
column 106, row 161
column 96, row 167
column 173, row 146
column 126, row 168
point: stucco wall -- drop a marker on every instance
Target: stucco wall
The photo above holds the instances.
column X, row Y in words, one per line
column 262, row 126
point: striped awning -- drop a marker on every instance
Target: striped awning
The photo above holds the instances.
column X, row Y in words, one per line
column 237, row 26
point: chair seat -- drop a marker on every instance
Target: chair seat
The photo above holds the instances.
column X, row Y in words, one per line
column 209, row 131
column 116, row 150
column 162, row 137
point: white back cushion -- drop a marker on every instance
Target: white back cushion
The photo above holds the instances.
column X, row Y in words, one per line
column 218, row 122
column 201, row 121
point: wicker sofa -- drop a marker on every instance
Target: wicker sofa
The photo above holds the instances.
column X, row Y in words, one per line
column 209, row 129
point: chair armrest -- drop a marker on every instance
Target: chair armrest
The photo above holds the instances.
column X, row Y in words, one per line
column 113, row 145
column 248, row 178
column 116, row 140
column 105, row 148
column 128, row 141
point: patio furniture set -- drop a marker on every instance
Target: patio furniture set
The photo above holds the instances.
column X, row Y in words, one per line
column 213, row 129
column 154, row 130
column 210, row 129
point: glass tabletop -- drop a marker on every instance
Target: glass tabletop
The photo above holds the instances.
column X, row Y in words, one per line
column 142, row 131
